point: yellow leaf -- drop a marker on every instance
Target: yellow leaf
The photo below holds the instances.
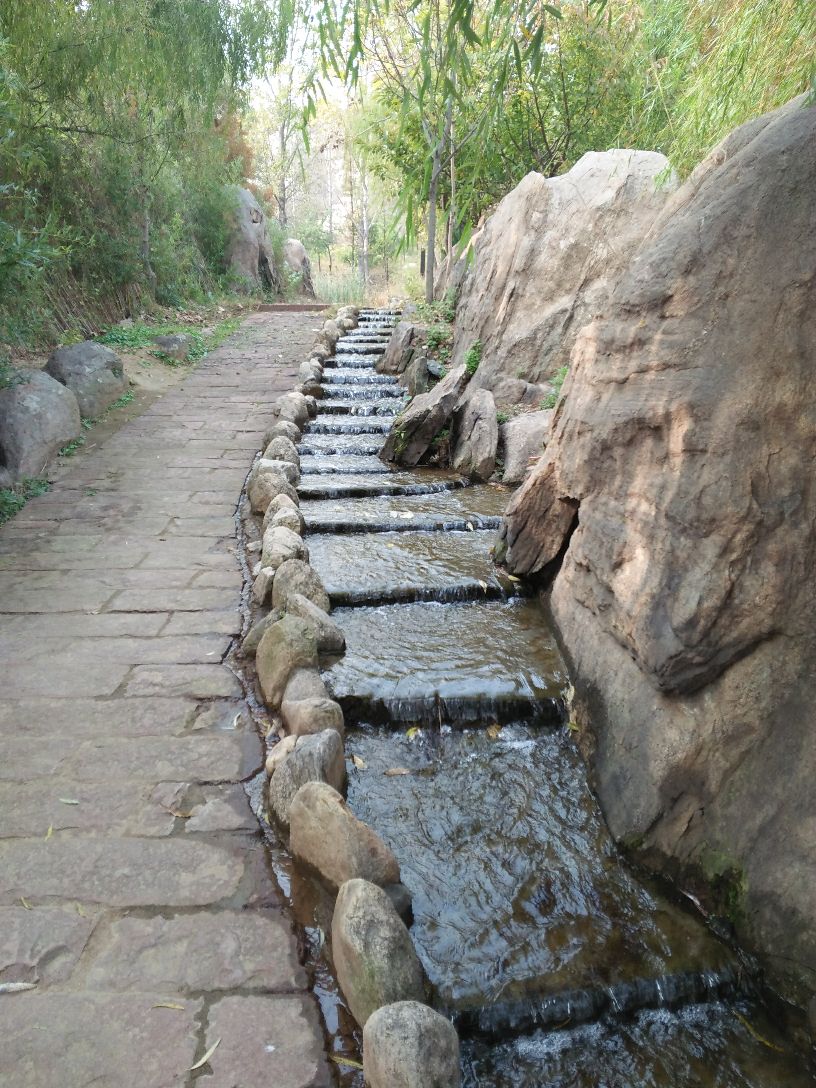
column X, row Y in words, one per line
column 513, row 578
column 167, row 1005
column 68, row 801
column 25, row 903
column 483, row 585
column 346, row 1061
column 392, row 772
column 207, row 1056
column 81, row 910
column 573, row 727
column 359, row 763
column 414, row 731
column 49, row 832
column 757, row 1036
column 494, row 730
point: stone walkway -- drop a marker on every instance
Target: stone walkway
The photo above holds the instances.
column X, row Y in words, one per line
column 135, row 896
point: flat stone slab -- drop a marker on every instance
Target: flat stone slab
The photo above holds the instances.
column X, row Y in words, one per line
column 119, row 872
column 266, row 1041
column 197, row 681
column 218, row 950
column 41, row 945
column 104, row 1040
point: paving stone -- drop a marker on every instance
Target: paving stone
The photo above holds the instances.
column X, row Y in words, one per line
column 218, row 950
column 159, row 759
column 40, row 945
column 199, row 681
column 223, row 808
column 45, row 717
column 196, row 623
column 175, row 600
column 119, row 872
column 123, row 807
column 266, row 1041
column 85, row 625
column 105, row 1040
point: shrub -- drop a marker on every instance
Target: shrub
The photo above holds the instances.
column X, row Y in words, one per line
column 473, row 356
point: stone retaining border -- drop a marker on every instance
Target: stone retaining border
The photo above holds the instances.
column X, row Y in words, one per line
column 305, row 762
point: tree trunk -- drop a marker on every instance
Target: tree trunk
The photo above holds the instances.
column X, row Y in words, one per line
column 282, row 209
column 145, row 246
column 452, row 203
column 364, row 227
column 433, row 192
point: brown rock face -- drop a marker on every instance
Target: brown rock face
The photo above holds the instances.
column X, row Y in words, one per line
column 545, row 263
column 681, row 462
column 414, row 429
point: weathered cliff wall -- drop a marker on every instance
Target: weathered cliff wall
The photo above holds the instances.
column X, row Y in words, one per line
column 545, row 262
column 677, row 495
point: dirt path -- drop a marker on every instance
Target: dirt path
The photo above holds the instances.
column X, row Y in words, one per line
column 138, row 921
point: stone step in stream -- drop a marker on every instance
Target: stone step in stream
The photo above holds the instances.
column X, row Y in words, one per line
column 555, row 961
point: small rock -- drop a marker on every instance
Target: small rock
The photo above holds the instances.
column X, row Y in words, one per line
column 374, row 957
column 176, row 346
column 284, row 428
column 306, row 716
column 330, row 637
column 285, row 646
column 408, row 1045
column 289, row 519
column 282, row 449
column 280, row 502
column 316, row 758
column 280, row 544
column 331, row 332
column 293, row 408
column 310, row 371
column 436, row 370
column 295, row 576
column 327, row 835
column 263, row 581
column 249, row 645
column 264, row 487
column 289, row 471
column 415, row 378
column 311, row 406
column 280, row 751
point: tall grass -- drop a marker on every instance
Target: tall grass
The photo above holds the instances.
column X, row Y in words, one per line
column 340, row 288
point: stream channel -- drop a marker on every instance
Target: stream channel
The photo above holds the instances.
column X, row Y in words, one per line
column 558, row 963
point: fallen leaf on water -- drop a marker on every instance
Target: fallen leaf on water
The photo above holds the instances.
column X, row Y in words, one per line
column 16, row 987
column 513, row 578
column 207, row 1056
column 25, row 903
column 406, row 514
column 757, row 1036
column 167, row 1005
column 390, row 545
column 494, row 730
column 470, row 526
column 346, row 1061
column 573, row 727
column 49, row 832
column 414, row 731
column 68, row 801
column 483, row 585
column 392, row 772
column 359, row 763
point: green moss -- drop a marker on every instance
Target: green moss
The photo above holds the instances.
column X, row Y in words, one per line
column 473, row 356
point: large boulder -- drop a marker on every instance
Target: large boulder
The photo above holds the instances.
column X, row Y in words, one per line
column 522, row 441
column 249, row 253
column 408, row 1045
column 280, row 544
column 316, row 758
column 414, row 429
column 476, row 436
column 330, row 637
column 92, row 372
column 373, row 955
column 297, row 260
column 406, row 340
column 678, row 483
column 545, row 263
column 264, row 487
column 327, row 835
column 38, row 416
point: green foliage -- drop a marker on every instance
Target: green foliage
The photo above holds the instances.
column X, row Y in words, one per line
column 13, row 499
column 139, row 335
column 8, row 375
column 556, row 381
column 70, row 448
column 502, row 417
column 439, row 336
column 473, row 356
column 118, row 148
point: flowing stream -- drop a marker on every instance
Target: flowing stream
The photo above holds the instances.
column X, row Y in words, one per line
column 559, row 964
